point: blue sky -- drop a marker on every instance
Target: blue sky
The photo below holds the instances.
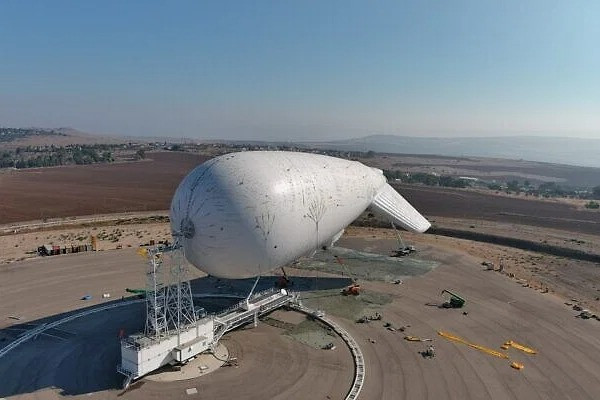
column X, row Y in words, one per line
column 302, row 69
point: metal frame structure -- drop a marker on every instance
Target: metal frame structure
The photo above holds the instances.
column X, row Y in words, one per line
column 156, row 315
column 179, row 299
column 169, row 299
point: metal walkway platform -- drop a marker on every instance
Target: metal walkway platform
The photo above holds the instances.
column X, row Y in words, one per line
column 246, row 312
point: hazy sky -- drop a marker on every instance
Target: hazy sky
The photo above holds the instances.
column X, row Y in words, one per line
column 302, row 69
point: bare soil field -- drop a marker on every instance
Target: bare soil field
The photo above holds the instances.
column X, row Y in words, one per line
column 455, row 203
column 566, row 365
column 569, row 278
column 573, row 281
column 35, row 194
column 576, row 241
column 21, row 246
column 149, row 185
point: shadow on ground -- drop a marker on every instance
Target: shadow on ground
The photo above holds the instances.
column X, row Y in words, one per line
column 81, row 356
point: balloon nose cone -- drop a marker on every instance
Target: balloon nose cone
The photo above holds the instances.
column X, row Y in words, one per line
column 187, row 228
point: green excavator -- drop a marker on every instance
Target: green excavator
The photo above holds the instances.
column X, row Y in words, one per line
column 455, row 300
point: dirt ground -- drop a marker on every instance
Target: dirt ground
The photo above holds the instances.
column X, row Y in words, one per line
column 589, row 243
column 575, row 281
column 571, row 279
column 566, row 366
column 23, row 246
column 275, row 365
column 73, row 190
column 36, row 194
column 436, row 202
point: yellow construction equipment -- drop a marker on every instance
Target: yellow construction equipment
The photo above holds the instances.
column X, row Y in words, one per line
column 473, row 345
column 525, row 349
column 516, row 365
column 142, row 252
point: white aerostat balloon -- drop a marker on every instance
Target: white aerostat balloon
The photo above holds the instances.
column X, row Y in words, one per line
column 244, row 214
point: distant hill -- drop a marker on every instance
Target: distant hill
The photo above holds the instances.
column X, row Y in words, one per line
column 8, row 135
column 11, row 138
column 572, row 151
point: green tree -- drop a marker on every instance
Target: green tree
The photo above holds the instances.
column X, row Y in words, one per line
column 107, row 156
column 592, row 205
column 513, row 186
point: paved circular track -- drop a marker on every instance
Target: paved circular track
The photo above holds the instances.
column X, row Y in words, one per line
column 79, row 357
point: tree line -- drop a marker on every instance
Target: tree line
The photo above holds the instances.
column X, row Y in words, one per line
column 50, row 156
column 427, row 179
column 545, row 189
column 11, row 134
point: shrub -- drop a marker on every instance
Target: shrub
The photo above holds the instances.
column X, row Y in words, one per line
column 594, row 205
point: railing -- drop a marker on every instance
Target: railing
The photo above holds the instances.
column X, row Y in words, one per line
column 238, row 315
column 359, row 361
column 40, row 329
column 254, row 298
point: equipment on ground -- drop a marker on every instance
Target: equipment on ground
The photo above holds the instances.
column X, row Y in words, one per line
column 455, row 300
column 416, row 339
column 368, row 318
column 352, row 290
column 375, row 317
column 517, row 365
column 458, row 339
column 513, row 344
column 489, row 266
column 232, row 362
column 403, row 250
column 429, row 353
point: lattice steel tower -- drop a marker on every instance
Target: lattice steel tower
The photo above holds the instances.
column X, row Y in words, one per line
column 169, row 300
column 179, row 299
column 156, row 315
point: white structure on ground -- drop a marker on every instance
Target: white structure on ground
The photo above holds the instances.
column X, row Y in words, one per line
column 175, row 332
column 244, row 214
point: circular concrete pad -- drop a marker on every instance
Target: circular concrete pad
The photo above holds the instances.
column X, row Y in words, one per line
column 201, row 365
